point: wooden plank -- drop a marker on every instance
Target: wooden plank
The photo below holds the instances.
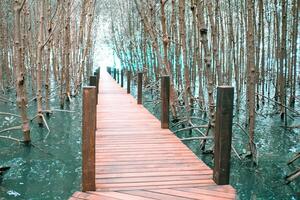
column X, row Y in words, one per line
column 154, row 195
column 121, row 196
column 153, row 179
column 155, row 187
column 154, row 183
column 155, row 173
column 209, row 192
column 187, row 194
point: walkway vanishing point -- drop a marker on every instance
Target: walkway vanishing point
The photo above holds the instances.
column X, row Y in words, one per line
column 137, row 160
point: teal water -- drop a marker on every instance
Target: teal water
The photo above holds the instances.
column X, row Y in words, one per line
column 51, row 169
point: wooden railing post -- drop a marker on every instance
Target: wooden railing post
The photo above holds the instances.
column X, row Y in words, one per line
column 118, row 76
column 140, row 88
column 122, row 77
column 223, row 134
column 94, row 82
column 165, row 99
column 88, row 138
column 97, row 74
column 128, row 81
column 115, row 73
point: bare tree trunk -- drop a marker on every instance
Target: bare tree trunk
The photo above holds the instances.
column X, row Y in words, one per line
column 187, row 84
column 207, row 60
column 20, row 71
column 48, row 53
column 215, row 34
column 66, row 50
column 251, row 70
column 173, row 95
column 283, row 61
column 39, row 63
column 295, row 9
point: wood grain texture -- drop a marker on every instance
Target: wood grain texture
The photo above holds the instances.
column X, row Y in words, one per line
column 136, row 159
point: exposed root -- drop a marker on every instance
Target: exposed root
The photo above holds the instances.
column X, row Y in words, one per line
column 58, row 110
column 11, row 138
column 33, row 99
column 191, row 127
column 276, row 102
column 294, row 158
column 11, row 129
column 235, row 151
column 4, row 99
column 294, row 126
column 197, row 138
column 45, row 122
column 11, row 114
column 292, row 176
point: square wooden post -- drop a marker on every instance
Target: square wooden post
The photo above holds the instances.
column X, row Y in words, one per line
column 97, row 74
column 223, row 134
column 115, row 74
column 128, row 81
column 122, row 78
column 118, row 76
column 88, row 138
column 94, row 82
column 140, row 88
column 165, row 101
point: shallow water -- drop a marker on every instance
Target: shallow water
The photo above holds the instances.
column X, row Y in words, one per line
column 51, row 169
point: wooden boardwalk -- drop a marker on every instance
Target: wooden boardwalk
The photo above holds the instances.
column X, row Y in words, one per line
column 137, row 160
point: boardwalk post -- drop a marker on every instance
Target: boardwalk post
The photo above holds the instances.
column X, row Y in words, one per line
column 115, row 73
column 128, row 81
column 122, row 77
column 223, row 135
column 94, row 82
column 88, row 138
column 140, row 88
column 165, row 99
column 97, row 74
column 118, row 76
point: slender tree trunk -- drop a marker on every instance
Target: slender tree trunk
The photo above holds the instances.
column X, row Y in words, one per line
column 39, row 62
column 20, row 71
column 67, row 49
column 187, row 84
column 173, row 95
column 251, row 70
column 207, row 59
